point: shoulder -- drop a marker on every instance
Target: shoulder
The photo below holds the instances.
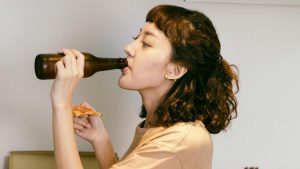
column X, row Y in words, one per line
column 183, row 145
column 190, row 135
column 197, row 142
column 189, row 142
column 197, row 136
column 195, row 149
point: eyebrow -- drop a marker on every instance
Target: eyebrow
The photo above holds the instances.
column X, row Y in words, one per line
column 149, row 33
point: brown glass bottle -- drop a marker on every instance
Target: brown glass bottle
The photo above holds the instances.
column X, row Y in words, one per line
column 44, row 64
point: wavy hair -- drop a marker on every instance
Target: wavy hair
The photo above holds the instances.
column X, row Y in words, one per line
column 207, row 91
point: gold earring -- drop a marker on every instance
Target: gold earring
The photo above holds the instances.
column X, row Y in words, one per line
column 167, row 77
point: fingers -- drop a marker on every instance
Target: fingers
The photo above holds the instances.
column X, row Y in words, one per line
column 68, row 57
column 80, row 61
column 81, row 126
column 81, row 123
column 71, row 65
column 80, row 133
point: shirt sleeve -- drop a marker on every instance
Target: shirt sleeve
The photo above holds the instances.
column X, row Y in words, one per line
column 150, row 156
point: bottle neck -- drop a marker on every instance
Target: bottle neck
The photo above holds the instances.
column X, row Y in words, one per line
column 94, row 64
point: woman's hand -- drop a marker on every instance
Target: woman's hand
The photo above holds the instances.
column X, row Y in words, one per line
column 90, row 128
column 69, row 71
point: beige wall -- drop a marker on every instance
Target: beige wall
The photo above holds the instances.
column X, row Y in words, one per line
column 262, row 40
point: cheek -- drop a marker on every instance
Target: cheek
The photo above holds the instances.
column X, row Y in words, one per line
column 143, row 75
column 149, row 69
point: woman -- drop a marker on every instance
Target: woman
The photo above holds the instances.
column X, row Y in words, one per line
column 187, row 90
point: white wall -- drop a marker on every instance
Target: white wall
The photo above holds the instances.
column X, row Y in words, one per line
column 262, row 40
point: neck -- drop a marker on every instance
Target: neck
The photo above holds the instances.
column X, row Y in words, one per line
column 151, row 99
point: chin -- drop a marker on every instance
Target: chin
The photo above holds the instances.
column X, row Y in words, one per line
column 124, row 84
column 127, row 87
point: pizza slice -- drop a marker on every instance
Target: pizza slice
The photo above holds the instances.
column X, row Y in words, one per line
column 82, row 110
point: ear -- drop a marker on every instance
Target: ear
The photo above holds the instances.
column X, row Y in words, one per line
column 175, row 70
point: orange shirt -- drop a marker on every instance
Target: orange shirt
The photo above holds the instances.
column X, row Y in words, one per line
column 185, row 145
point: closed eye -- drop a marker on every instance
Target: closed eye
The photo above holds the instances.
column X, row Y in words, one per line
column 145, row 45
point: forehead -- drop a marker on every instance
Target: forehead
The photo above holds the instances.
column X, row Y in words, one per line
column 151, row 30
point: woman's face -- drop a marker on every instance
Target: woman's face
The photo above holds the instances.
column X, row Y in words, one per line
column 148, row 58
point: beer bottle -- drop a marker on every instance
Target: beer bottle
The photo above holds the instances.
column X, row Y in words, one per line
column 44, row 64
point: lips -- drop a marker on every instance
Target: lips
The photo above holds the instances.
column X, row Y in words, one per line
column 125, row 69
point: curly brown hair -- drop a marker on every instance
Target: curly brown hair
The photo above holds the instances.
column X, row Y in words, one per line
column 207, row 91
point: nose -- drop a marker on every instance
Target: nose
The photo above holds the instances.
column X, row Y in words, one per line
column 129, row 50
